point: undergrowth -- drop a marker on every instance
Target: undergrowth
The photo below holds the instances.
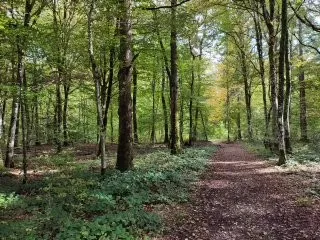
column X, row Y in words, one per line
column 303, row 153
column 78, row 204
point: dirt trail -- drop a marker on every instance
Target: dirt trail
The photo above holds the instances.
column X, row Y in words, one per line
column 243, row 197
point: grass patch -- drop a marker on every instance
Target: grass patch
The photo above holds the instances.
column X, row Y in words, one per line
column 78, row 204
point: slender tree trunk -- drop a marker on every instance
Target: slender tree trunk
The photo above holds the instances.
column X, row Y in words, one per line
column 175, row 145
column 17, row 133
column 204, row 127
column 125, row 150
column 134, row 107
column 110, row 80
column 66, row 88
column 269, row 17
column 281, row 97
column 287, row 105
column 181, row 118
column 111, row 125
column 197, row 107
column 247, row 92
column 26, row 110
column 2, row 129
column 302, row 91
column 58, row 121
column 153, row 124
column 191, row 132
column 48, row 125
column 228, row 120
column 22, row 97
column 259, row 44
column 36, row 111
column 164, row 108
column 11, row 134
column 239, row 135
column 97, row 81
column 60, row 68
column 2, row 118
column 23, row 114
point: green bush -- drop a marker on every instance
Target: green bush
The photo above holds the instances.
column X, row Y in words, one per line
column 77, row 204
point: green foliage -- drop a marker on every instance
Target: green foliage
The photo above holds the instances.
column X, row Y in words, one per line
column 8, row 200
column 77, row 204
column 305, row 153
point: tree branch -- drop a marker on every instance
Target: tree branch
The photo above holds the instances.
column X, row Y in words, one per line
column 306, row 45
column 167, row 6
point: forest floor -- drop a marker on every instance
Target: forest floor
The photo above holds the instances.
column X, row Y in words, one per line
column 241, row 196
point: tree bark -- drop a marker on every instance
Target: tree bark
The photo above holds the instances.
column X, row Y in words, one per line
column 181, row 118
column 191, row 132
column 125, row 150
column 287, row 104
column 247, row 92
column 11, row 134
column 281, row 97
column 164, row 108
column 66, row 88
column 269, row 17
column 134, row 107
column 97, row 80
column 228, row 111
column 175, row 145
column 60, row 68
column 204, row 126
column 153, row 124
column 239, row 135
column 259, row 44
column 302, row 92
column 17, row 133
column 111, row 125
column 2, row 118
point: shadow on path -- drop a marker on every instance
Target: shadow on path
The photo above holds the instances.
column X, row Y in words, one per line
column 243, row 197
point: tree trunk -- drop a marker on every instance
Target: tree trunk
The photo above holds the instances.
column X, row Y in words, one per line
column 97, row 81
column 302, row 91
column 11, row 134
column 191, row 136
column 269, row 17
column 164, row 108
column 153, row 124
column 134, row 107
column 181, row 119
column 259, row 44
column 17, row 133
column 247, row 92
column 175, row 145
column 228, row 111
column 110, row 82
column 281, row 98
column 204, row 127
column 2, row 118
column 239, row 135
column 66, row 88
column 125, row 151
column 287, row 105
column 36, row 114
column 58, row 120
column 23, row 115
column 196, row 116
column 111, row 125
column 60, row 68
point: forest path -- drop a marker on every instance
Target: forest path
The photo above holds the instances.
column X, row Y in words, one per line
column 243, row 197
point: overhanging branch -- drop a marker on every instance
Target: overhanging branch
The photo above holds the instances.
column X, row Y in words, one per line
column 167, row 6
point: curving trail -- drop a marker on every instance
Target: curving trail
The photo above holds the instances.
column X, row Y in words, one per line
column 243, row 197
